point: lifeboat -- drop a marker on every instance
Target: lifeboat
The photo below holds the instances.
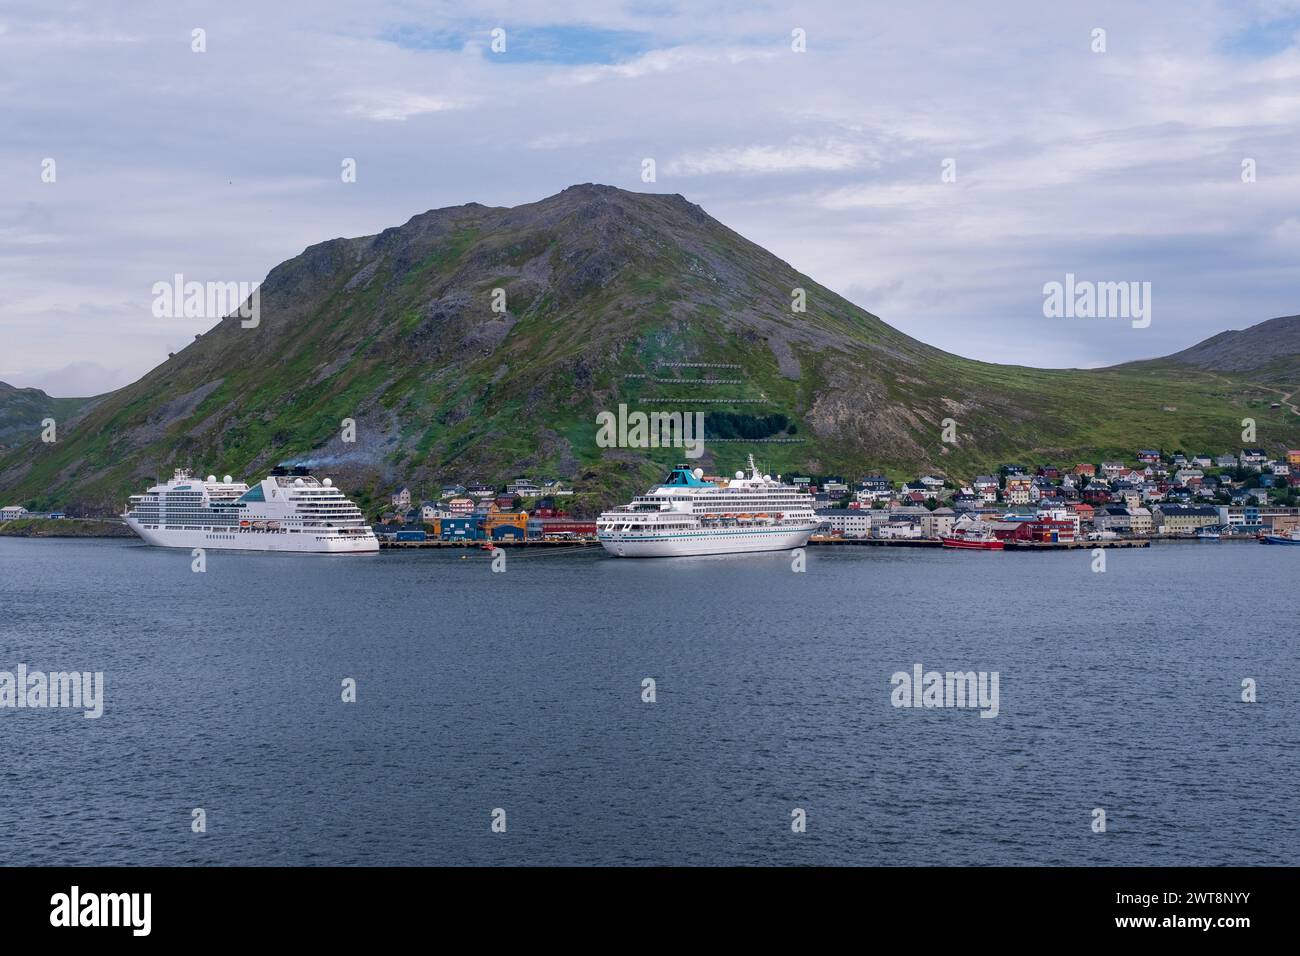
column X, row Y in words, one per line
column 245, row 524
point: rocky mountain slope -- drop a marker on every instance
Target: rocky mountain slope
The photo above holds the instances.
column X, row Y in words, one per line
column 607, row 296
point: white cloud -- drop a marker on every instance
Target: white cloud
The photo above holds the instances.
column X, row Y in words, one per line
column 795, row 156
column 661, row 61
column 398, row 105
column 223, row 164
column 560, row 140
column 81, row 380
column 1288, row 233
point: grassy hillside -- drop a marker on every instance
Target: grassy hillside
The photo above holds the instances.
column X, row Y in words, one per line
column 22, row 410
column 397, row 332
column 63, row 528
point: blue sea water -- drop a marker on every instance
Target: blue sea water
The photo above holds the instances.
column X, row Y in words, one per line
column 523, row 691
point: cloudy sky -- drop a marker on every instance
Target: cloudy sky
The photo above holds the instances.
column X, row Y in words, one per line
column 1122, row 165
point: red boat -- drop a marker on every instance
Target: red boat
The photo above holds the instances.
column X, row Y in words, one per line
column 983, row 540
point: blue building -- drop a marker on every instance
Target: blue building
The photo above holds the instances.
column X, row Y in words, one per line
column 467, row 528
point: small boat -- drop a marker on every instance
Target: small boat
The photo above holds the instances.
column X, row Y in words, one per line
column 1292, row 537
column 1207, row 534
column 981, row 540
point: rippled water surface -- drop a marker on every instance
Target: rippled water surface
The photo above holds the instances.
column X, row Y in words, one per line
column 522, row 690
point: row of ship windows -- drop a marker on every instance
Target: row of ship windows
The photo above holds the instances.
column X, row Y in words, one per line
column 154, row 527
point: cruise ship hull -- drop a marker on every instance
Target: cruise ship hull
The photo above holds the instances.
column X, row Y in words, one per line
column 699, row 542
column 305, row 542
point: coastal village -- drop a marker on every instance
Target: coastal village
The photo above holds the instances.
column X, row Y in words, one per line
column 1150, row 495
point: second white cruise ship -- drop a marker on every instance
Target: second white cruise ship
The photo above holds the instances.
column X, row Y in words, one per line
column 287, row 511
column 687, row 515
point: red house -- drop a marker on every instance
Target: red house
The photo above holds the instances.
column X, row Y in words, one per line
column 1044, row 529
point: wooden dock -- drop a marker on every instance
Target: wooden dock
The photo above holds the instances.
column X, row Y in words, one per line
column 1077, row 545
column 814, row 540
column 1009, row 545
column 879, row 542
column 509, row 543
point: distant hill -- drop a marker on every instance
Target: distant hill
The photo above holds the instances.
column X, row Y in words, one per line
column 23, row 409
column 1267, row 352
column 611, row 297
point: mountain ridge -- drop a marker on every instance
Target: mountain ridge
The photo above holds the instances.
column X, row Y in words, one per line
column 22, row 411
column 604, row 290
column 1268, row 350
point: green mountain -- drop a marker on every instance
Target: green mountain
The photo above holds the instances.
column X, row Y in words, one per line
column 1266, row 353
column 607, row 295
column 22, row 411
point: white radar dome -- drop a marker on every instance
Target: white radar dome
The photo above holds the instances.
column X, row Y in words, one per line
column 212, row 477
column 740, row 474
column 297, row 482
column 328, row 482
column 767, row 477
column 227, row 479
column 698, row 473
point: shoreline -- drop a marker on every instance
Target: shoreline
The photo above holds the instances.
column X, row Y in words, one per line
column 88, row 528
column 64, row 528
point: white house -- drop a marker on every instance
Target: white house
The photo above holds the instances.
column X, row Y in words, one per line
column 938, row 523
column 13, row 513
column 429, row 511
column 899, row 529
column 849, row 522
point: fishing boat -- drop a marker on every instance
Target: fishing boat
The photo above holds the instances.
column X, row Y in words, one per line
column 1291, row 537
column 974, row 539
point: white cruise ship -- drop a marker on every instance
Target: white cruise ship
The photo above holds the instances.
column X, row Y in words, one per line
column 688, row 515
column 287, row 511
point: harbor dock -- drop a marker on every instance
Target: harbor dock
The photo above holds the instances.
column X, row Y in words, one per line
column 385, row 544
